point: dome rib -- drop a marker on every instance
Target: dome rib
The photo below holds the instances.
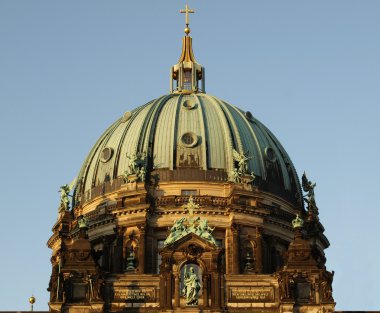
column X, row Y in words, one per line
column 125, row 131
column 256, row 154
column 203, row 131
column 227, row 135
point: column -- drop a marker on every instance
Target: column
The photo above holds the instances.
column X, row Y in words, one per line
column 205, row 290
column 176, row 290
column 235, row 249
column 259, row 251
column 141, row 251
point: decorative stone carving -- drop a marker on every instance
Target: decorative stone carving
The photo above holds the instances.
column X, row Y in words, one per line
column 308, row 187
column 326, row 285
column 64, row 195
column 191, row 287
column 136, row 168
column 179, row 229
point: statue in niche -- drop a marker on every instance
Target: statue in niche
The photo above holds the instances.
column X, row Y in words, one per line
column 191, row 287
column 249, row 260
column 131, row 260
column 308, row 187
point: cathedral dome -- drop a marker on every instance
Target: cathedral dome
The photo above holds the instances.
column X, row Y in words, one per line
column 186, row 203
column 189, row 137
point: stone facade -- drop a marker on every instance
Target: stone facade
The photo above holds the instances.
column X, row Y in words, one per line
column 117, row 262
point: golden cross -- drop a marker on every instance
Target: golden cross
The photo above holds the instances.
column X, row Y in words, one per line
column 187, row 11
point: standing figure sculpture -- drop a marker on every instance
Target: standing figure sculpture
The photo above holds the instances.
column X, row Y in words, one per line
column 64, row 194
column 191, row 287
column 308, row 187
column 132, row 164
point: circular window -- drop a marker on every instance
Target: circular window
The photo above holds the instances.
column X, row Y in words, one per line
column 270, row 154
column 189, row 104
column 189, row 139
column 249, row 115
column 106, row 154
column 127, row 115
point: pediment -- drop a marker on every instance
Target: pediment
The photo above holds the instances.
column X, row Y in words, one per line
column 191, row 238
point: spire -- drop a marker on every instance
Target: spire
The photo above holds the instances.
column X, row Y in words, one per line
column 187, row 76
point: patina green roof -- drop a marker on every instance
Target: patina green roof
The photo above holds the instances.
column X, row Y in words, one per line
column 157, row 129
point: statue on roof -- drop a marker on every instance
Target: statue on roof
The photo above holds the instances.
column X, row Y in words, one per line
column 64, row 194
column 204, row 231
column 194, row 225
column 308, row 187
column 177, row 231
column 136, row 167
column 242, row 160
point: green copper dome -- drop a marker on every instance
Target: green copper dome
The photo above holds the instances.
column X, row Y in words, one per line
column 189, row 137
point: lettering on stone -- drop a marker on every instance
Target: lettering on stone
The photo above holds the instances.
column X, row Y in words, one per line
column 251, row 294
column 136, row 295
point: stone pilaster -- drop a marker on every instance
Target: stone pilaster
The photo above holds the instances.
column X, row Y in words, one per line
column 259, row 251
column 141, row 250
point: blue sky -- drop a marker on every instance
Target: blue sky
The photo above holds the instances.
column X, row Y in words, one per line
column 309, row 70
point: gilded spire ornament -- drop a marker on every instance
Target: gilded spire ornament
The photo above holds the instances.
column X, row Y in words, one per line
column 32, row 300
column 187, row 11
column 187, row 76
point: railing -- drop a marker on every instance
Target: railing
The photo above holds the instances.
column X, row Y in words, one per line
column 200, row 200
column 182, row 174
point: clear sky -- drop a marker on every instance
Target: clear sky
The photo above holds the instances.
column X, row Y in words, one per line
column 309, row 70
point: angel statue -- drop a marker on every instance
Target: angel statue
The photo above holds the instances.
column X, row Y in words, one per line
column 204, row 230
column 308, row 187
column 132, row 164
column 242, row 159
column 235, row 177
column 64, row 191
column 177, row 231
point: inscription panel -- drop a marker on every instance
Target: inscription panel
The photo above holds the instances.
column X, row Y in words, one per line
column 142, row 294
column 250, row 294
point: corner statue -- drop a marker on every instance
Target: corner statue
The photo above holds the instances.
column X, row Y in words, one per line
column 64, row 194
column 191, row 287
column 308, row 187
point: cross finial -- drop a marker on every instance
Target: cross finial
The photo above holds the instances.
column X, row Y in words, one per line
column 187, row 11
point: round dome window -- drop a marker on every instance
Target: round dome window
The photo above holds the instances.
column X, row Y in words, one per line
column 127, row 115
column 189, row 139
column 189, row 104
column 249, row 116
column 270, row 154
column 106, row 155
